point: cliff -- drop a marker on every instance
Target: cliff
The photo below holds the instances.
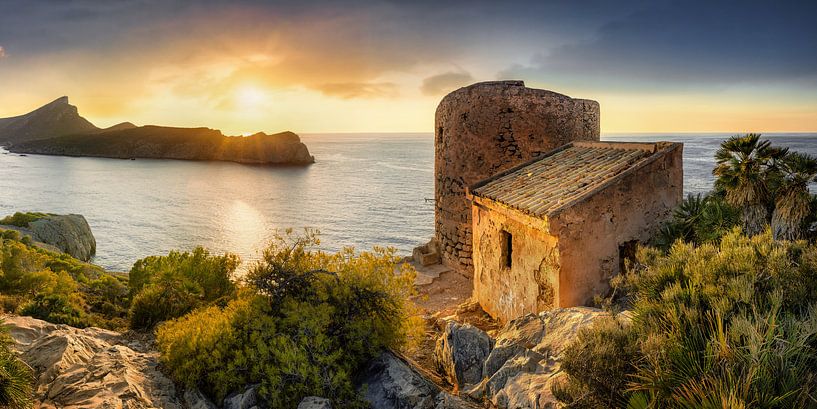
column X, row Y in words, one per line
column 54, row 119
column 57, row 129
column 157, row 142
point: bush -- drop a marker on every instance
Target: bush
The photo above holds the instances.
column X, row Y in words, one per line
column 304, row 325
column 166, row 287
column 57, row 288
column 22, row 219
column 698, row 219
column 16, row 378
column 732, row 325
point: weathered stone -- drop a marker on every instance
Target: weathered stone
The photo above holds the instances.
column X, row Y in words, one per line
column 69, row 234
column 244, row 400
column 489, row 127
column 460, row 353
column 194, row 399
column 89, row 368
column 314, row 402
column 551, row 234
column 427, row 254
column 391, row 383
column 526, row 358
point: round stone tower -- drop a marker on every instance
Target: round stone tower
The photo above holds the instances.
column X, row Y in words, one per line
column 486, row 128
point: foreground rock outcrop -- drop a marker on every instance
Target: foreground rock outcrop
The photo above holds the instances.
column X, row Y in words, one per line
column 524, row 360
column 390, row 382
column 460, row 353
column 69, row 234
column 90, row 368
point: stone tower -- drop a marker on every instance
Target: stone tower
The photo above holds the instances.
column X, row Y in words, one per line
column 489, row 127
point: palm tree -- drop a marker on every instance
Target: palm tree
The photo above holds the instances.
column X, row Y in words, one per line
column 746, row 167
column 792, row 199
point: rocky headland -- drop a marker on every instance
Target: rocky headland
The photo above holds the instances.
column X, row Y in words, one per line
column 58, row 129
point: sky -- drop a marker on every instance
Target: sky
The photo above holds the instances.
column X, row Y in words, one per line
column 383, row 66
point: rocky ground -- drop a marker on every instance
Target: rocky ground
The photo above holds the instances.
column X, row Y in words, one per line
column 466, row 361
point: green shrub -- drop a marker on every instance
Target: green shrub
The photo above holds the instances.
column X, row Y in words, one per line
column 57, row 288
column 732, row 325
column 304, row 325
column 22, row 219
column 596, row 361
column 698, row 219
column 166, row 287
column 57, row 308
column 16, row 378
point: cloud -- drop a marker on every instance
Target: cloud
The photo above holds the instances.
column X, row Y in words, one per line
column 350, row 90
column 442, row 83
column 678, row 45
column 2, row 52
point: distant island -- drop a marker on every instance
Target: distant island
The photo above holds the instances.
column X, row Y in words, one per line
column 58, row 129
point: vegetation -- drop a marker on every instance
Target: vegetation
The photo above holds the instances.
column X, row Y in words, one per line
column 699, row 219
column 21, row 219
column 793, row 206
column 724, row 309
column 16, row 378
column 305, row 322
column 714, row 326
column 57, row 287
column 166, row 287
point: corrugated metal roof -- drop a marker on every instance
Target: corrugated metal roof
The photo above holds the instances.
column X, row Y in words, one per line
column 560, row 177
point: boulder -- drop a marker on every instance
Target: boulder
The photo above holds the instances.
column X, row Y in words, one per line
column 89, row 368
column 244, row 400
column 69, row 234
column 461, row 352
column 314, row 402
column 526, row 358
column 194, row 399
column 390, row 382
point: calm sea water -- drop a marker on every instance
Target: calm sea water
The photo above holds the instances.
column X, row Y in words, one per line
column 364, row 190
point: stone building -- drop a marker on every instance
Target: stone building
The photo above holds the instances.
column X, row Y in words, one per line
column 552, row 231
column 488, row 128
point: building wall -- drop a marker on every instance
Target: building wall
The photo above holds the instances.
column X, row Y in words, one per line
column 591, row 232
column 489, row 127
column 531, row 283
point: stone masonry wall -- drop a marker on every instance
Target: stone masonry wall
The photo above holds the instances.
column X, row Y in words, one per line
column 591, row 233
column 489, row 127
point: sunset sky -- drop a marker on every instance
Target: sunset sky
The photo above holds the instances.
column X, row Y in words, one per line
column 354, row 66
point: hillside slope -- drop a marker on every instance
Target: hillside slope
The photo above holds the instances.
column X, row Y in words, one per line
column 53, row 119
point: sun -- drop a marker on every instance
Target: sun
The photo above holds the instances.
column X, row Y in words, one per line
column 250, row 97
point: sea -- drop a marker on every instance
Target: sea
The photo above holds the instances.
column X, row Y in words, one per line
column 364, row 190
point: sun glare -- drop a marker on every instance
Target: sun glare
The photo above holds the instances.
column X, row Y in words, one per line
column 249, row 97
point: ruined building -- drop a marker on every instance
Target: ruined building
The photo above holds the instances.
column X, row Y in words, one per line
column 551, row 232
column 487, row 128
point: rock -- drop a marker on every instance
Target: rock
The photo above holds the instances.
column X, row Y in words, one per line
column 245, row 400
column 460, row 353
column 314, row 402
column 89, row 368
column 161, row 142
column 54, row 119
column 69, row 234
column 389, row 382
column 526, row 358
column 194, row 399
column 427, row 254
